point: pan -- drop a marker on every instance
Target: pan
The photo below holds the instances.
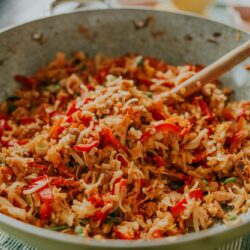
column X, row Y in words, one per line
column 176, row 38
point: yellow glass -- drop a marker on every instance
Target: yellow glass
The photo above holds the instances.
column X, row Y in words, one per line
column 196, row 6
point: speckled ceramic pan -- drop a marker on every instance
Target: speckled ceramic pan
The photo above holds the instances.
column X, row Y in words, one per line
column 177, row 38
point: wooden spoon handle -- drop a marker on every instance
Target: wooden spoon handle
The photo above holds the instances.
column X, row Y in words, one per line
column 214, row 70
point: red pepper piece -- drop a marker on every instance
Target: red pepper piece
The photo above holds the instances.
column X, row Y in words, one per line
column 109, row 138
column 26, row 81
column 123, row 161
column 157, row 115
column 101, row 75
column 27, row 120
column 159, row 161
column 96, row 200
column 46, row 195
column 205, row 109
column 186, row 130
column 121, row 182
column 199, row 157
column 123, row 236
column 2, row 127
column 23, row 141
column 86, row 120
column 179, row 207
column 37, row 184
column 87, row 147
column 165, row 127
column 144, row 81
column 39, row 166
column 72, row 109
column 45, row 210
column 57, row 181
column 157, row 234
column 236, row 141
column 99, row 215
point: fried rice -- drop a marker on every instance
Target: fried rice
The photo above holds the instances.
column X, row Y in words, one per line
column 91, row 146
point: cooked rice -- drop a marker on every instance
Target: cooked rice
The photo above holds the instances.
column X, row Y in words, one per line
column 92, row 147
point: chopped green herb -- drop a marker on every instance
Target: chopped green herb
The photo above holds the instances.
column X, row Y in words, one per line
column 78, row 230
column 113, row 220
column 139, row 61
column 83, row 222
column 204, row 182
column 59, row 228
column 217, row 220
column 13, row 98
column 53, row 88
column 149, row 94
column 175, row 185
column 11, row 107
column 230, row 180
column 227, row 208
column 82, row 68
column 233, row 217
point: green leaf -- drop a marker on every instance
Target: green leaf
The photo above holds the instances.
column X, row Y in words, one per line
column 175, row 185
column 78, row 230
column 113, row 220
column 233, row 217
column 83, row 222
column 204, row 182
column 59, row 228
column 54, row 88
column 11, row 107
column 139, row 61
column 230, row 180
column 150, row 95
column 227, row 208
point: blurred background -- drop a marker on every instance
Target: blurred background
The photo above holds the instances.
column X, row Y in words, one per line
column 232, row 12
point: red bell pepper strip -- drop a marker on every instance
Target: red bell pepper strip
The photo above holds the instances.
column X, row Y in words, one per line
column 123, row 161
column 165, row 127
column 38, row 166
column 205, row 109
column 26, row 81
column 186, row 130
column 109, row 138
column 2, row 127
column 101, row 75
column 237, row 140
column 23, row 141
column 86, row 120
column 144, row 81
column 72, row 109
column 87, row 147
column 45, row 210
column 123, row 236
column 159, row 161
column 99, row 215
column 57, row 181
column 157, row 115
column 157, row 234
column 27, row 120
column 46, row 195
column 199, row 157
column 179, row 207
column 96, row 200
column 37, row 185
column 121, row 182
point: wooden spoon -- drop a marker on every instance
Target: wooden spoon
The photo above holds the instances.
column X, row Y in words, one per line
column 213, row 71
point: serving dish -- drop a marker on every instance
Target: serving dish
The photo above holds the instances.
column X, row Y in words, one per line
column 177, row 38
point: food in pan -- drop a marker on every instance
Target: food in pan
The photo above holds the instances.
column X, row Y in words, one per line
column 90, row 146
